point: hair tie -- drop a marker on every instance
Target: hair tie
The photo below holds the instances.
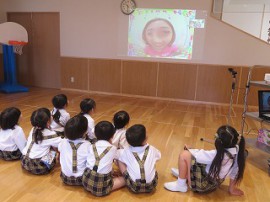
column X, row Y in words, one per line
column 217, row 137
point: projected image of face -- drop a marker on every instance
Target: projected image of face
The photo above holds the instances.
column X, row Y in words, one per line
column 159, row 35
column 162, row 33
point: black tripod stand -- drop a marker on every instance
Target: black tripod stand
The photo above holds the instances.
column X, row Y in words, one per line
column 233, row 73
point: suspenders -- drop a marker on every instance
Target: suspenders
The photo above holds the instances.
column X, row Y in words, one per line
column 141, row 163
column 74, row 155
column 98, row 158
column 33, row 141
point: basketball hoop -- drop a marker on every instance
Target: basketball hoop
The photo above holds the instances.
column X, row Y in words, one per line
column 17, row 46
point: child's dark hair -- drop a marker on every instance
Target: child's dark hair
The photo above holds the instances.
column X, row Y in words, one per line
column 136, row 135
column 39, row 120
column 120, row 119
column 76, row 127
column 9, row 118
column 227, row 137
column 59, row 102
column 104, row 130
column 87, row 105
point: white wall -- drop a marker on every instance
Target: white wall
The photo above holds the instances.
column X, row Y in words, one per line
column 90, row 28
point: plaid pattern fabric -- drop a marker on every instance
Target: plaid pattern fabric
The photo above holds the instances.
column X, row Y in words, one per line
column 77, row 181
column 200, row 180
column 74, row 155
column 10, row 155
column 36, row 166
column 96, row 183
column 138, row 186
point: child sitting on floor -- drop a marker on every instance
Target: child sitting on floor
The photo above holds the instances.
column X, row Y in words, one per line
column 59, row 114
column 12, row 138
column 206, row 170
column 97, row 177
column 137, row 162
column 88, row 107
column 120, row 121
column 38, row 156
column 74, row 151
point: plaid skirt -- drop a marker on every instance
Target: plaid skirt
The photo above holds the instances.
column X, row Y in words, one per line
column 77, row 181
column 96, row 183
column 138, row 186
column 10, row 155
column 36, row 166
column 200, row 180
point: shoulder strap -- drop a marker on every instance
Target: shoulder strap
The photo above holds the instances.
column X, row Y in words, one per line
column 74, row 155
column 99, row 157
column 50, row 137
column 141, row 163
column 30, row 146
column 33, row 142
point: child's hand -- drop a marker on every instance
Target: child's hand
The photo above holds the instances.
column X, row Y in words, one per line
column 233, row 190
column 236, row 192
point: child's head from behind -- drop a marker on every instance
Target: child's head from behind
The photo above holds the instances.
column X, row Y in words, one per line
column 120, row 119
column 9, row 118
column 226, row 136
column 104, row 130
column 76, row 127
column 158, row 33
column 60, row 101
column 136, row 135
column 87, row 105
column 40, row 118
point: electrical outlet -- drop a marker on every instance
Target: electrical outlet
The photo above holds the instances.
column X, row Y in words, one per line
column 72, row 80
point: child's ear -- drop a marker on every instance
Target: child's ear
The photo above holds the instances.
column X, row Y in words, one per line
column 145, row 141
column 49, row 123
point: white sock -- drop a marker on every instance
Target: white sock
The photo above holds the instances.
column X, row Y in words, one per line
column 182, row 182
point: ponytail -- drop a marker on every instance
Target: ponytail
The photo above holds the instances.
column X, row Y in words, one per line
column 56, row 116
column 217, row 162
column 38, row 136
column 241, row 160
column 39, row 120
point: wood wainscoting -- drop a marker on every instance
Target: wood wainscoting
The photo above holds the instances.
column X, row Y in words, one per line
column 178, row 81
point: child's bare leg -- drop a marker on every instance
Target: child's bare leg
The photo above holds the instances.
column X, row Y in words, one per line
column 122, row 166
column 233, row 190
column 184, row 167
column 118, row 182
column 184, row 162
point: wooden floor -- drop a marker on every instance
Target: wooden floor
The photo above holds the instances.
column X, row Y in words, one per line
column 169, row 126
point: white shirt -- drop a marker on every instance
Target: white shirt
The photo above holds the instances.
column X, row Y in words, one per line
column 133, row 168
column 119, row 139
column 105, row 164
column 43, row 148
column 12, row 139
column 207, row 157
column 64, row 117
column 66, row 155
column 91, row 126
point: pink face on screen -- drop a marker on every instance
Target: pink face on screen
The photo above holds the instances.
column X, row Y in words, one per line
column 159, row 34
